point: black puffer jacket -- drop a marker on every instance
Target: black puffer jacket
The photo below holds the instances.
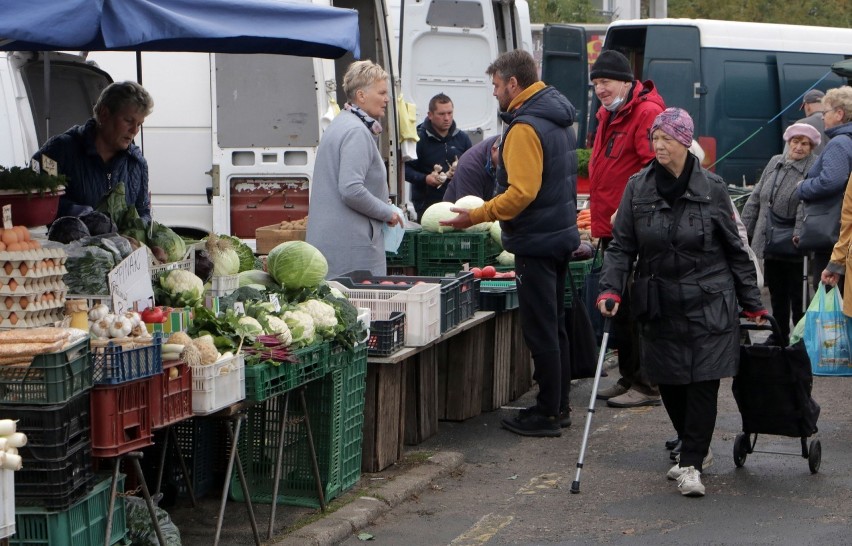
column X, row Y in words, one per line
column 702, row 275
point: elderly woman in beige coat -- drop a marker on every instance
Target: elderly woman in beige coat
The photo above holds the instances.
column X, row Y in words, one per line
column 841, row 258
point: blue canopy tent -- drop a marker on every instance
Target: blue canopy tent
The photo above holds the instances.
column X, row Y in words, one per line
column 214, row 26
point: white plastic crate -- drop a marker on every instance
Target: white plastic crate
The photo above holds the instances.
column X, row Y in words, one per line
column 223, row 285
column 218, row 385
column 188, row 263
column 7, row 503
column 421, row 304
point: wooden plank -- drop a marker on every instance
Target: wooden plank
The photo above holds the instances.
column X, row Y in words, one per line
column 489, row 367
column 421, row 397
column 464, row 369
column 521, row 360
column 384, row 411
column 501, row 388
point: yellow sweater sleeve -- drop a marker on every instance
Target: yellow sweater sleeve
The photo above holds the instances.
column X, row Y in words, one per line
column 523, row 160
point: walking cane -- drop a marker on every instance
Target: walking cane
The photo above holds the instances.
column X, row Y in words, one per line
column 575, row 485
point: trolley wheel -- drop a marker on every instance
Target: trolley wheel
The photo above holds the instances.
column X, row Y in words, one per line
column 814, row 456
column 740, row 449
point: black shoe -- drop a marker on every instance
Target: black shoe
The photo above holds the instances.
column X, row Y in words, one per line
column 564, row 415
column 530, row 422
column 672, row 442
column 675, row 451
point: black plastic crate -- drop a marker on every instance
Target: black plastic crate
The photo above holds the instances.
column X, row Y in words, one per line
column 498, row 295
column 468, row 300
column 386, row 336
column 53, row 430
column 55, row 484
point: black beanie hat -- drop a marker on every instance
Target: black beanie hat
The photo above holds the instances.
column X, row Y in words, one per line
column 612, row 65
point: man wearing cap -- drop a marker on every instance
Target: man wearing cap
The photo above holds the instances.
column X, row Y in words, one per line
column 621, row 148
column 812, row 106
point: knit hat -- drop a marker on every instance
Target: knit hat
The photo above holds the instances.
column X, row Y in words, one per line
column 676, row 123
column 805, row 130
column 612, row 65
column 812, row 96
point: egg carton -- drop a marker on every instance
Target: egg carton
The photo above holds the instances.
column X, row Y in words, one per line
column 25, row 286
column 33, row 302
column 34, row 254
column 48, row 317
column 32, row 268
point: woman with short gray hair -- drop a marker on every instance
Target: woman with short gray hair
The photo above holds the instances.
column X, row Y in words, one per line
column 349, row 191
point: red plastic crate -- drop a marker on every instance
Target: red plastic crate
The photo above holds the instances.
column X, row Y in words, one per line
column 171, row 394
column 121, row 417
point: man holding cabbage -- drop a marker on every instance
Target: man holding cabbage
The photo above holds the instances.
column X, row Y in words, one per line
column 536, row 207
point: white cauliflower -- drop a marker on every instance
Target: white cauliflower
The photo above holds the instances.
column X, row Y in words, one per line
column 279, row 328
column 301, row 326
column 325, row 319
column 185, row 288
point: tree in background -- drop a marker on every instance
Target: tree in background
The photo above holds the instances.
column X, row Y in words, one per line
column 826, row 13
column 564, row 11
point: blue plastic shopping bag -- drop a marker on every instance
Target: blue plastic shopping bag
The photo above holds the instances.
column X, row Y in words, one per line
column 827, row 334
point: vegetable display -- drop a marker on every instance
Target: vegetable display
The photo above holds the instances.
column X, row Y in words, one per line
column 221, row 252
column 180, row 288
column 297, row 264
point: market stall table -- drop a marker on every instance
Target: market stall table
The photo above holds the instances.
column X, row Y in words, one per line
column 409, row 391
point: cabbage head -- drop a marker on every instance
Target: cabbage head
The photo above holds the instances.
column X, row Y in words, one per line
column 433, row 216
column 256, row 276
column 496, row 233
column 297, row 264
column 247, row 258
column 168, row 240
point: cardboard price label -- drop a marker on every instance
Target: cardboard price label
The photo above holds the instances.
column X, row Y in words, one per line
column 130, row 282
column 48, row 165
column 273, row 299
column 7, row 216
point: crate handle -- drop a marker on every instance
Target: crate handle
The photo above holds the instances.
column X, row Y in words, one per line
column 366, row 337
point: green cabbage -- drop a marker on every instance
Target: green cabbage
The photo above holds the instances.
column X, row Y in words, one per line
column 247, row 258
column 255, row 276
column 297, row 264
column 433, row 216
column 171, row 243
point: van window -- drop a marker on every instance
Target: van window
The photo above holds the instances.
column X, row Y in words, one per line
column 74, row 90
column 285, row 86
column 455, row 13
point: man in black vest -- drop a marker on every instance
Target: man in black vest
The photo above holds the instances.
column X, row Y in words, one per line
column 537, row 209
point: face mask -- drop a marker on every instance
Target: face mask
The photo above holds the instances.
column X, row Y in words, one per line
column 616, row 104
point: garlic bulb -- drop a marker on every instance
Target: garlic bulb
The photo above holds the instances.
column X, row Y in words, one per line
column 120, row 327
column 98, row 312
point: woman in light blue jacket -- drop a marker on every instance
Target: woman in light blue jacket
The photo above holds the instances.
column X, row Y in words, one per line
column 349, row 191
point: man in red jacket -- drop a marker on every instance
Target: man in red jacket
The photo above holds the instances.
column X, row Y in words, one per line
column 621, row 148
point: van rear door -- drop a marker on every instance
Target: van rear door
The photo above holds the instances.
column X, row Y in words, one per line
column 671, row 58
column 564, row 65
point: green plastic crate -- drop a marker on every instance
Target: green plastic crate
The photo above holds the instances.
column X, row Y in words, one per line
column 266, row 380
column 475, row 248
column 578, row 271
column 498, row 295
column 52, row 378
column 259, row 440
column 84, row 524
column 354, row 378
column 336, row 409
column 406, row 254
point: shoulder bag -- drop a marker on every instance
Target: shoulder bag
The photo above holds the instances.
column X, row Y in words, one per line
column 779, row 229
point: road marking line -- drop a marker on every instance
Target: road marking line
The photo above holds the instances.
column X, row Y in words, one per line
column 482, row 531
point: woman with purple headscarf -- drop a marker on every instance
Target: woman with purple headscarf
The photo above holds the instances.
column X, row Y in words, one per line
column 676, row 222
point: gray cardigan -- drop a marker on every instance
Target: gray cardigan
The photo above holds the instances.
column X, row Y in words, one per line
column 349, row 199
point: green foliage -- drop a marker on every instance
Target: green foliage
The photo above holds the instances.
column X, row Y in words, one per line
column 564, row 11
column 27, row 180
column 827, row 13
column 583, row 155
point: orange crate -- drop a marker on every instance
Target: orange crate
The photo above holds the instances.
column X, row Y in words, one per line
column 121, row 417
column 171, row 394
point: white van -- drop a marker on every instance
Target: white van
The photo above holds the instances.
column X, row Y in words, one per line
column 232, row 141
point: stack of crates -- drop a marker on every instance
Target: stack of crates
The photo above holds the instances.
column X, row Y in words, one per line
column 336, row 412
column 122, row 420
column 57, row 498
column 441, row 254
column 577, row 271
column 406, row 254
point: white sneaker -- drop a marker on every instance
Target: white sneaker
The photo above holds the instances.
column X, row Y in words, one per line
column 675, row 471
column 690, row 484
